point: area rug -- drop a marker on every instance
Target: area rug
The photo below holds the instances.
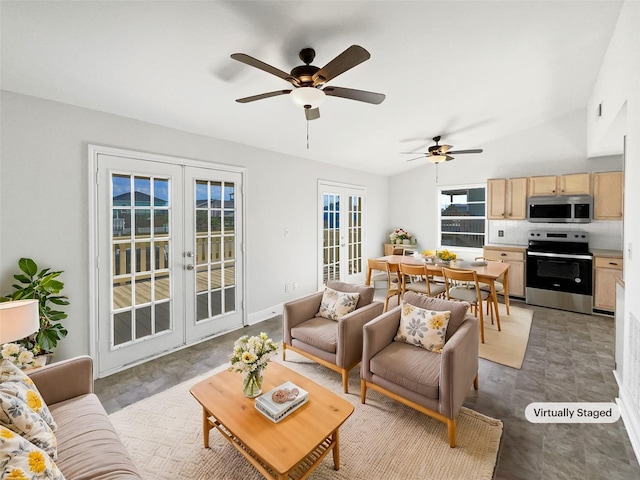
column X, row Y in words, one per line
column 381, row 439
column 508, row 346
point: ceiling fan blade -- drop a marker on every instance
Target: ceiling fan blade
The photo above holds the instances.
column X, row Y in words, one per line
column 352, row 56
column 254, row 62
column 476, row 150
column 448, row 158
column 352, row 94
column 417, row 158
column 253, row 98
column 413, row 153
column 312, row 113
column 444, row 148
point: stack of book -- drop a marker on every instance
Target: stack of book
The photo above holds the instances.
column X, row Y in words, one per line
column 277, row 411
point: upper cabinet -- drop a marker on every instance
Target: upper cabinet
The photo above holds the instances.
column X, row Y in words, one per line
column 507, row 198
column 573, row 184
column 608, row 196
column 542, row 186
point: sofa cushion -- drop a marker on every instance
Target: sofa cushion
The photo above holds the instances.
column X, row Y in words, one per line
column 20, row 459
column 318, row 332
column 422, row 328
column 15, row 382
column 411, row 367
column 366, row 292
column 458, row 309
column 17, row 416
column 335, row 304
column 88, row 446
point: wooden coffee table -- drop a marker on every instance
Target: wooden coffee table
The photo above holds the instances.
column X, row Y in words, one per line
column 289, row 449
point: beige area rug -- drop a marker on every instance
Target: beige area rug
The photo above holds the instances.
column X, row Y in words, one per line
column 381, row 439
column 508, row 346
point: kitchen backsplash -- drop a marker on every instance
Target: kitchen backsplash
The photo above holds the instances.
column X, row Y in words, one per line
column 606, row 235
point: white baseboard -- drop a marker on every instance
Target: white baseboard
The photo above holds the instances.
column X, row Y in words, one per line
column 631, row 419
column 262, row 315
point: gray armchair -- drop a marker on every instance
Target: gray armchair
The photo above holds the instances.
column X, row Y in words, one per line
column 335, row 344
column 435, row 384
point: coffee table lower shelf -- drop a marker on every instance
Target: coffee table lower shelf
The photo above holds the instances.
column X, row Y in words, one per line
column 299, row 472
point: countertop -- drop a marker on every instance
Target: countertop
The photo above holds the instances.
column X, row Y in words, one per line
column 509, row 248
column 606, row 253
column 597, row 252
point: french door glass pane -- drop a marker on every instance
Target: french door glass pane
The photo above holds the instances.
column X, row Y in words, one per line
column 355, row 235
column 215, row 248
column 331, row 236
column 140, row 268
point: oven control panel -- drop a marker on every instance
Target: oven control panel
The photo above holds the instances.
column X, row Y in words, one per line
column 578, row 236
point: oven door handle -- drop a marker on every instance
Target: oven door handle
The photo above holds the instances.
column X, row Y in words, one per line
column 560, row 255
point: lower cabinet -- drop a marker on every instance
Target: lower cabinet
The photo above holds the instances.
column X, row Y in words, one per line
column 515, row 258
column 604, row 282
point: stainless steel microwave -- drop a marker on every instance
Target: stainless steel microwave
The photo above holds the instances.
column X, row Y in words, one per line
column 560, row 209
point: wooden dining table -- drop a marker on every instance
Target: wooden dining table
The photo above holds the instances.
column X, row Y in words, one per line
column 488, row 273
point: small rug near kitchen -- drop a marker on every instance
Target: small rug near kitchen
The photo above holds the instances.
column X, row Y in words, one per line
column 381, row 439
column 509, row 345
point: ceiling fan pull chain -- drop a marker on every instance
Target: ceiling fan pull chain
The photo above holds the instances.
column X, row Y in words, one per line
column 307, row 134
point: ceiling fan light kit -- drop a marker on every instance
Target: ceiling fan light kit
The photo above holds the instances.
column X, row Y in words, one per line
column 307, row 97
column 437, row 158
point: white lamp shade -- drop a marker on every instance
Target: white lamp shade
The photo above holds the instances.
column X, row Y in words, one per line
column 437, row 158
column 303, row 96
column 18, row 319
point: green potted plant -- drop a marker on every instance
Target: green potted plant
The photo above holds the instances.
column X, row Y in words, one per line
column 45, row 287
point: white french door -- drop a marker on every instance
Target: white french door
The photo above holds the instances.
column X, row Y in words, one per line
column 341, row 227
column 169, row 256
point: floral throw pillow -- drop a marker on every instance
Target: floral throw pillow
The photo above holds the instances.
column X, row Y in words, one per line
column 18, row 417
column 20, row 459
column 14, row 381
column 336, row 304
column 423, row 328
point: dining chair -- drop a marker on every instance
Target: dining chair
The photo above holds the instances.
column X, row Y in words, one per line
column 499, row 286
column 398, row 251
column 470, row 292
column 417, row 279
column 389, row 273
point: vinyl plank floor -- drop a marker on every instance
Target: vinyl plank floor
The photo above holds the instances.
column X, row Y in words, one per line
column 570, row 357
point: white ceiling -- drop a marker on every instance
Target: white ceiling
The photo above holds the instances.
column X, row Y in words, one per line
column 472, row 72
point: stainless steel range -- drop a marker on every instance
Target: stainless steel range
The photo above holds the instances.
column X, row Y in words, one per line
column 560, row 270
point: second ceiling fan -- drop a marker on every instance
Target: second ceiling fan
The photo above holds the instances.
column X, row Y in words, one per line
column 309, row 82
column 440, row 153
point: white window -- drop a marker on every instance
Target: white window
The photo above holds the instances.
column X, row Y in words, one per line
column 462, row 216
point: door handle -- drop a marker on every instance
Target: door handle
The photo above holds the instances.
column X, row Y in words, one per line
column 189, row 266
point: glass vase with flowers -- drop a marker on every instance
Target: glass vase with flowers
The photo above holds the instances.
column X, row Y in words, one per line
column 250, row 357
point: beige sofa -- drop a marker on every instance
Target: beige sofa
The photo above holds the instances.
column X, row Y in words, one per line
column 88, row 446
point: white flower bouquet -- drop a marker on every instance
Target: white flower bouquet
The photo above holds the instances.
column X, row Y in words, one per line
column 250, row 357
column 17, row 354
column 399, row 234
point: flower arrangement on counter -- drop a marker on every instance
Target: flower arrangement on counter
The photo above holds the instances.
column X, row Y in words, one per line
column 399, row 234
column 17, row 354
column 446, row 255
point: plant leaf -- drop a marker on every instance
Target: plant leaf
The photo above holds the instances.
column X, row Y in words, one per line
column 22, row 278
column 28, row 266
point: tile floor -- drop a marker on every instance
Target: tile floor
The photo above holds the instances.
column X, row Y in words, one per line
column 569, row 358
